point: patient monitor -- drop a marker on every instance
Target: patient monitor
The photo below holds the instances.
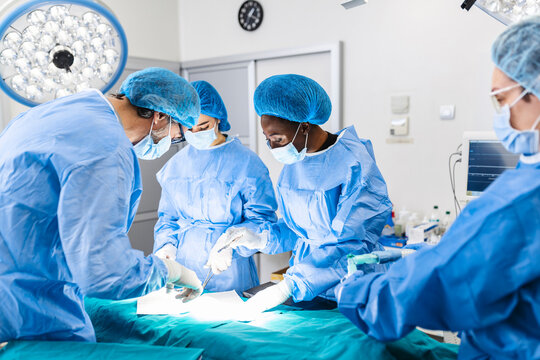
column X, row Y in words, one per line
column 484, row 159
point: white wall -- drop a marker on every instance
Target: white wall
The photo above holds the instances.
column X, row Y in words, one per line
column 428, row 49
column 151, row 28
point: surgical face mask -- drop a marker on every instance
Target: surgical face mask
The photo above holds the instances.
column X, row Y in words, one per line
column 202, row 139
column 288, row 154
column 146, row 149
column 515, row 141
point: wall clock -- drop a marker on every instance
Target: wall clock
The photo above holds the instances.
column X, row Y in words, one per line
column 250, row 15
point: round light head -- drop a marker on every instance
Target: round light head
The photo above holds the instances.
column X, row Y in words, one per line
column 509, row 11
column 56, row 48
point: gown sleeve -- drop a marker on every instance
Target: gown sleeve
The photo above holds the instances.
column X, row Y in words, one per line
column 362, row 210
column 280, row 238
column 259, row 206
column 469, row 280
column 94, row 217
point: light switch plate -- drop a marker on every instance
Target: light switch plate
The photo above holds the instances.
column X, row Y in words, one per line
column 447, row 112
column 399, row 104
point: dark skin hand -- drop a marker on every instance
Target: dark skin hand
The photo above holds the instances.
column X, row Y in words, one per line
column 279, row 132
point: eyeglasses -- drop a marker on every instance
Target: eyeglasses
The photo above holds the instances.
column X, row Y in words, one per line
column 497, row 105
column 180, row 139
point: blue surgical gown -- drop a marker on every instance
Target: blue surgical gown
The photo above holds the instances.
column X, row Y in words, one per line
column 333, row 203
column 204, row 192
column 482, row 279
column 69, row 189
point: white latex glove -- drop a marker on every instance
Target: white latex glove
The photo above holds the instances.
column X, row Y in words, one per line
column 249, row 239
column 221, row 254
column 168, row 251
column 270, row 297
column 182, row 276
column 219, row 261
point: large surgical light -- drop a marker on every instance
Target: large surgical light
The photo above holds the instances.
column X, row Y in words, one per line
column 506, row 11
column 54, row 48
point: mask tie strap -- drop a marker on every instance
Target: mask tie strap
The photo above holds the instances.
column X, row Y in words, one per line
column 500, row 91
column 296, row 133
column 525, row 92
column 151, row 127
column 536, row 123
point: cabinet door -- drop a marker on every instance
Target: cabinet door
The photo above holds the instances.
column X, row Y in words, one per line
column 235, row 84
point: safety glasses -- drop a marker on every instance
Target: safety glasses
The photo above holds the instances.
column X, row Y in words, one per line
column 497, row 105
column 181, row 138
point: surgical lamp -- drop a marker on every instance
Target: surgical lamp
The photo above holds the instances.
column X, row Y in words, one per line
column 55, row 48
column 506, row 11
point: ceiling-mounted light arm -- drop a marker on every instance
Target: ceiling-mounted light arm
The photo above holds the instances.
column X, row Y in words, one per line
column 353, row 3
column 468, row 4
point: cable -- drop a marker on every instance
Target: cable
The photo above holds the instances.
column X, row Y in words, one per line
column 452, row 174
column 456, row 201
column 452, row 178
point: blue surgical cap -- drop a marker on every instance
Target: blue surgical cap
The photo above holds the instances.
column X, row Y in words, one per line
column 164, row 91
column 294, row 98
column 517, row 53
column 211, row 103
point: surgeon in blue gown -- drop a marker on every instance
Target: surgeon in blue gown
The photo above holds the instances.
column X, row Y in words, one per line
column 331, row 194
column 69, row 189
column 483, row 279
column 212, row 185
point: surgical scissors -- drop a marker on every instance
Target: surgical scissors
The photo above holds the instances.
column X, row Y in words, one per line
column 170, row 287
column 210, row 273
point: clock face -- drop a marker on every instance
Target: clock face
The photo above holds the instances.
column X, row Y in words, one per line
column 250, row 15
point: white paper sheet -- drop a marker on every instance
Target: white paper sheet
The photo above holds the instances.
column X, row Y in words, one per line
column 211, row 306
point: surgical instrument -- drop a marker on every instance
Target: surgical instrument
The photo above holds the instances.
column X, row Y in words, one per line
column 375, row 257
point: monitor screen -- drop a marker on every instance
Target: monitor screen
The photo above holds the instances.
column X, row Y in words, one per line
column 487, row 160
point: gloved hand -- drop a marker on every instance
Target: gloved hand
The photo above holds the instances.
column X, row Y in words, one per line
column 270, row 297
column 337, row 290
column 221, row 254
column 182, row 276
column 219, row 261
column 168, row 251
